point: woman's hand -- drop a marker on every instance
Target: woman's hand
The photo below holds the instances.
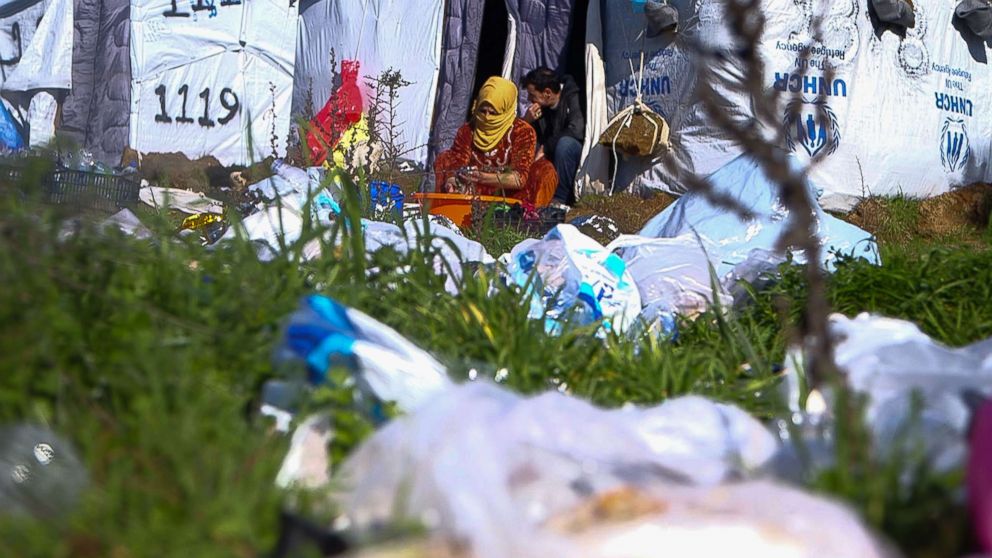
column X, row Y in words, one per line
column 451, row 186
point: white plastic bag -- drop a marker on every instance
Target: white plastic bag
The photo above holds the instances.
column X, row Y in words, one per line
column 670, row 273
column 323, row 333
column 583, row 274
column 891, row 359
column 554, row 476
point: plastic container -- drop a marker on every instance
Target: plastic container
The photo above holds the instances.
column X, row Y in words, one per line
column 387, row 195
column 458, row 207
column 92, row 190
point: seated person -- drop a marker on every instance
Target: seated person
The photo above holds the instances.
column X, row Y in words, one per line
column 495, row 153
column 556, row 114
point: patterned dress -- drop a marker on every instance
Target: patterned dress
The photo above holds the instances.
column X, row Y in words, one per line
column 515, row 152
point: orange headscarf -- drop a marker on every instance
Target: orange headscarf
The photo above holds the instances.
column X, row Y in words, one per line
column 501, row 94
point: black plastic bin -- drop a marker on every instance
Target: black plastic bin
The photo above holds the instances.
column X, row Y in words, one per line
column 82, row 189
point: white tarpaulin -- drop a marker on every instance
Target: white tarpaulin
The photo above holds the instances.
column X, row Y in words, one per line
column 35, row 55
column 380, row 34
column 903, row 114
column 212, row 77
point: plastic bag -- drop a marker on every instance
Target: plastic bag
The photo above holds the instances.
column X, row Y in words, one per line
column 10, row 136
column 575, row 275
column 980, row 474
column 299, row 189
column 671, row 274
column 324, row 333
column 514, row 476
column 892, row 361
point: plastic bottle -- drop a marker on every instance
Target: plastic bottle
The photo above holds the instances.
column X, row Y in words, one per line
column 40, row 474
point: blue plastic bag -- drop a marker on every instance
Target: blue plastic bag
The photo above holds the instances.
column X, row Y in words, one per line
column 10, row 137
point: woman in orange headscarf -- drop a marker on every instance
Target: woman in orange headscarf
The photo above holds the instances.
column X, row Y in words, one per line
column 495, row 152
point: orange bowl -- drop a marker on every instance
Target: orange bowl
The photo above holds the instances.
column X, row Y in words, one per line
column 457, row 207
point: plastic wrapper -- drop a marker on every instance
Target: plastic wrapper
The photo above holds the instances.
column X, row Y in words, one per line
column 552, row 475
column 578, row 277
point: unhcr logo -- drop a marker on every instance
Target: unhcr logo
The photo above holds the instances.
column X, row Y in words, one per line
column 812, row 126
column 954, row 146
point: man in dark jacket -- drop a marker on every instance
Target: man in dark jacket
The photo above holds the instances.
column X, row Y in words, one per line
column 556, row 114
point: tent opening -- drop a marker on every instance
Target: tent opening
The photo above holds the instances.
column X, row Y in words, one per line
column 492, row 45
column 575, row 54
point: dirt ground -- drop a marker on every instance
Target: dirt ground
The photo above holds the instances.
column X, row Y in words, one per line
column 961, row 213
column 630, row 212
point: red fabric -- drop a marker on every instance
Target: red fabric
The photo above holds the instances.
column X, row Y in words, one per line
column 515, row 152
column 342, row 111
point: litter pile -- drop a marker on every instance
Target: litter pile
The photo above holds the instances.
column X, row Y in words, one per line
column 491, row 473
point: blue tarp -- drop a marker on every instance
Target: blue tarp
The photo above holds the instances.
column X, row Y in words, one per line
column 745, row 181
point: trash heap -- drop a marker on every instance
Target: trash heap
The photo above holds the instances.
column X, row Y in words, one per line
column 491, row 473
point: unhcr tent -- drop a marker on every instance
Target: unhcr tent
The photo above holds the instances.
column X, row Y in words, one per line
column 435, row 45
column 35, row 65
column 162, row 76
column 907, row 112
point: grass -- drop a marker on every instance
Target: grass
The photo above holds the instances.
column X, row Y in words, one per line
column 148, row 357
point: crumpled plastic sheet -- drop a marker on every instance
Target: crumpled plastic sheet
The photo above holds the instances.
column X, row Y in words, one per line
column 503, row 473
column 893, row 362
column 298, row 189
column 736, row 240
column 671, row 274
column 576, row 276
column 182, row 200
column 890, row 359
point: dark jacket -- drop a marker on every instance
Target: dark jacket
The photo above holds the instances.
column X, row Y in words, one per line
column 565, row 120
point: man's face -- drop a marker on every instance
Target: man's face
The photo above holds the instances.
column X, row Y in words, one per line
column 544, row 98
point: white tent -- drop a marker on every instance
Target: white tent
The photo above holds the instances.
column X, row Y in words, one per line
column 212, row 78
column 35, row 62
column 905, row 114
